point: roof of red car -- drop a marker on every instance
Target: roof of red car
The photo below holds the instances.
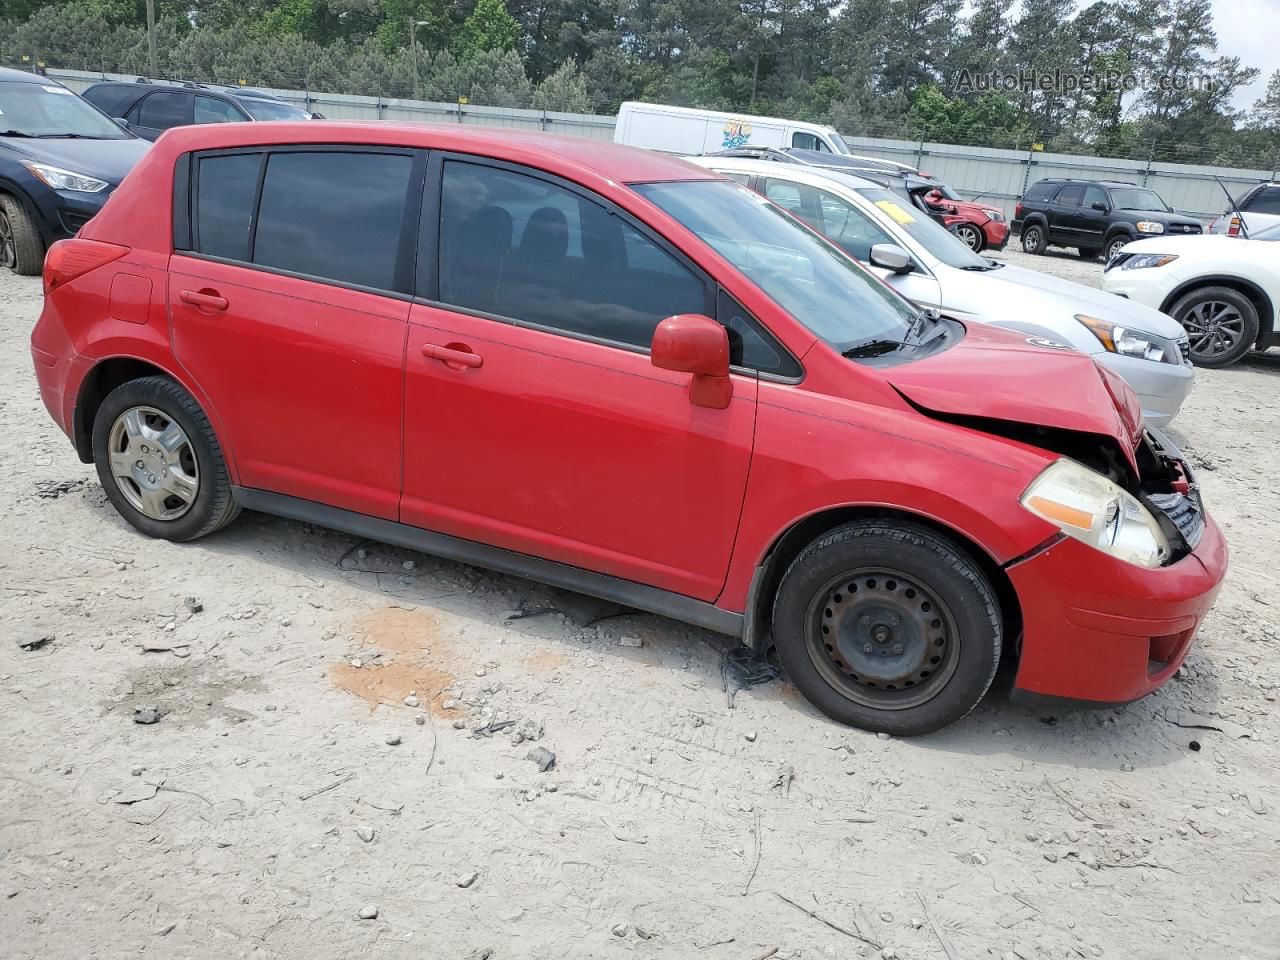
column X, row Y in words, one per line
column 531, row 147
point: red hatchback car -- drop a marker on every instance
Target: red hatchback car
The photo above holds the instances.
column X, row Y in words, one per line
column 616, row 372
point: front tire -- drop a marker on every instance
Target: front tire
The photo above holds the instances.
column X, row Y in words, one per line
column 159, row 461
column 1034, row 239
column 21, row 249
column 1115, row 245
column 970, row 236
column 1221, row 323
column 889, row 627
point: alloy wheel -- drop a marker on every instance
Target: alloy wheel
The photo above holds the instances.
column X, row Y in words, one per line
column 153, row 463
column 1214, row 327
column 1115, row 247
column 883, row 638
column 8, row 248
column 970, row 236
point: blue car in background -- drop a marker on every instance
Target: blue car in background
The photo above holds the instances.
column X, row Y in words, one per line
column 60, row 158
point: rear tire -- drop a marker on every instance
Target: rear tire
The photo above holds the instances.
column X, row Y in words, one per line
column 1034, row 239
column 1221, row 323
column 21, row 249
column 889, row 627
column 159, row 461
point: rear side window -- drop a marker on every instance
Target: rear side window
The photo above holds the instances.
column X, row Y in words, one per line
column 213, row 110
column 334, row 215
column 226, row 189
column 113, row 101
column 1266, row 200
column 523, row 247
column 160, row 111
column 1071, row 195
column 1041, row 191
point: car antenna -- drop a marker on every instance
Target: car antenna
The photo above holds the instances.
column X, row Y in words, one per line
column 1244, row 228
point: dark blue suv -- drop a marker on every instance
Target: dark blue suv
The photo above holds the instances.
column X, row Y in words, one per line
column 60, row 158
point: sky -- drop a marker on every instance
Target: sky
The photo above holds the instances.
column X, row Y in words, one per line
column 1248, row 29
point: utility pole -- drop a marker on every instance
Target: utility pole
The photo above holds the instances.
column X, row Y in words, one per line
column 413, row 51
column 151, row 36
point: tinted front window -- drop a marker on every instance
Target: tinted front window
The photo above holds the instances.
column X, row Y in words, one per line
column 226, row 189
column 1041, row 191
column 335, row 215
column 808, row 277
column 213, row 110
column 48, row 110
column 1094, row 195
column 1135, row 198
column 522, row 247
column 160, row 111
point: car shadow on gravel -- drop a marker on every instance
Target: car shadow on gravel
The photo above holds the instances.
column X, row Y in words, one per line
column 1118, row 740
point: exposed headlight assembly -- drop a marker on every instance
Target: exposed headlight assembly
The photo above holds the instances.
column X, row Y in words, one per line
column 1150, row 226
column 1140, row 261
column 1088, row 507
column 1122, row 340
column 60, row 179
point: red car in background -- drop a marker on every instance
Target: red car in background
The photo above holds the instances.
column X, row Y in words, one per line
column 980, row 225
column 619, row 373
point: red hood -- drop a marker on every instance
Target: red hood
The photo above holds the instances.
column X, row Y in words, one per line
column 1003, row 375
column 970, row 207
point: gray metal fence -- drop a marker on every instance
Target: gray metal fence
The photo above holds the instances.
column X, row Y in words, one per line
column 993, row 175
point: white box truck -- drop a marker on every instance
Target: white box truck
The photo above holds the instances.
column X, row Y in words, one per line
column 694, row 132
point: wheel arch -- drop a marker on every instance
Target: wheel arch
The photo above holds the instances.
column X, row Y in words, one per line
column 1267, row 331
column 1118, row 230
column 788, row 544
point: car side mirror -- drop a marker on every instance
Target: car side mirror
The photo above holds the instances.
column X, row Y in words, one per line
column 890, row 256
column 692, row 343
column 1100, row 206
column 122, row 121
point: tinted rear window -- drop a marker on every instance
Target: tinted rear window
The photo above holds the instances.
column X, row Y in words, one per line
column 1042, row 191
column 334, row 215
column 160, row 111
column 1266, row 200
column 113, row 101
column 225, row 191
column 1071, row 195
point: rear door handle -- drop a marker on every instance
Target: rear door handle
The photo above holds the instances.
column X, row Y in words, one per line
column 454, row 355
column 204, row 299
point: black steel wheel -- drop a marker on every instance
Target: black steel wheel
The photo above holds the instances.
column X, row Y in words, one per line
column 889, row 626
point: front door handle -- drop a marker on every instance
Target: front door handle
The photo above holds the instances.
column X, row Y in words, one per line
column 456, row 355
column 204, row 300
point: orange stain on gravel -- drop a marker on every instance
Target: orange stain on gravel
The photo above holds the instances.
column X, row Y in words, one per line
column 409, row 637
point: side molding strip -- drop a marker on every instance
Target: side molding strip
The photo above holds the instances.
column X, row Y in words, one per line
column 627, row 592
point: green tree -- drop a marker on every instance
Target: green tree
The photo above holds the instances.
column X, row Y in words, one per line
column 563, row 90
column 489, row 28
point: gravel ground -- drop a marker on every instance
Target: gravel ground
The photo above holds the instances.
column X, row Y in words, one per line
column 315, row 759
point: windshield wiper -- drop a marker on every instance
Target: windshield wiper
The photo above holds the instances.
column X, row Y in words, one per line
column 873, row 348
column 14, row 133
column 69, row 136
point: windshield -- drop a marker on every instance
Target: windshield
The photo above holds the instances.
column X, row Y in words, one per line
column 924, row 230
column 840, row 145
column 272, row 110
column 1134, row 198
column 48, row 110
column 805, row 275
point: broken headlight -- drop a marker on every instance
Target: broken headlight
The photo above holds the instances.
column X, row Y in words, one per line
column 1088, row 507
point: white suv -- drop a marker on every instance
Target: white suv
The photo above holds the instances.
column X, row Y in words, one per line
column 1260, row 208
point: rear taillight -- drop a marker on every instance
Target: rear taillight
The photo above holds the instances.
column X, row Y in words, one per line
column 1233, row 228
column 1017, row 210
column 68, row 259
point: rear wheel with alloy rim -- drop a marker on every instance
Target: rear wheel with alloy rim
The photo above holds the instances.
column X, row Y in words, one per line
column 159, row 461
column 970, row 235
column 889, row 627
column 1221, row 323
column 1034, row 239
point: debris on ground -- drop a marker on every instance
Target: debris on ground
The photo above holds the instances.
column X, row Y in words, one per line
column 631, row 641
column 584, row 610
column 369, row 912
column 393, row 740
column 35, row 643
column 53, row 489
column 740, row 668
column 543, row 757
column 466, row 879
column 193, row 605
column 147, row 714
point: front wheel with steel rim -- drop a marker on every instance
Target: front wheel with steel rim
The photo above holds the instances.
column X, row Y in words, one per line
column 159, row 461
column 1221, row 324
column 887, row 626
column 970, row 235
